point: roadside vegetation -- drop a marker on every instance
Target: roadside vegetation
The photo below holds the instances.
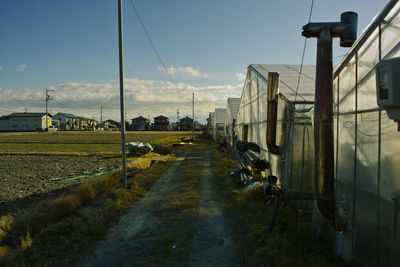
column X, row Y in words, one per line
column 291, row 243
column 57, row 231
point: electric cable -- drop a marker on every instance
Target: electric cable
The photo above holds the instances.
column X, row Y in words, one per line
column 151, row 42
column 304, row 51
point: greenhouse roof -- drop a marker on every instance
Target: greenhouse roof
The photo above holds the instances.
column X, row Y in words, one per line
column 220, row 114
column 234, row 106
column 288, row 77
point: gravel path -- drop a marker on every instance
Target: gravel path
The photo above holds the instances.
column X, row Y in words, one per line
column 170, row 226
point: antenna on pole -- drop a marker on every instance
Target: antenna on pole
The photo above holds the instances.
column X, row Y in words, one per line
column 121, row 85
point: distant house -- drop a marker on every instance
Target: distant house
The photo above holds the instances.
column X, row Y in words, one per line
column 67, row 121
column 4, row 123
column 186, row 123
column 25, row 122
column 160, row 123
column 111, row 125
column 140, row 124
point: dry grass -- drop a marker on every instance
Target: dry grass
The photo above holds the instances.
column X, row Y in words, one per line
column 55, row 232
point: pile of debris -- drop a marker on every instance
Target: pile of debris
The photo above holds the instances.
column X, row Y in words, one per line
column 251, row 163
column 139, row 149
column 249, row 170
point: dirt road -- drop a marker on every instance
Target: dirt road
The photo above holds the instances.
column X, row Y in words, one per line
column 178, row 223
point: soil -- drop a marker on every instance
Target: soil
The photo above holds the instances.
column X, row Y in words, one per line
column 178, row 223
column 24, row 179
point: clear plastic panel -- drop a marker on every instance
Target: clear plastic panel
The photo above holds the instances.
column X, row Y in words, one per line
column 368, row 57
column 347, row 88
column 366, row 183
column 390, row 34
column 389, row 185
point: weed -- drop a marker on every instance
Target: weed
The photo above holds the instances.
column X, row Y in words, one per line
column 5, row 225
column 85, row 193
column 26, row 241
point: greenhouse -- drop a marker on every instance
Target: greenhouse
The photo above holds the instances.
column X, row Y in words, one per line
column 367, row 166
column 292, row 136
column 232, row 107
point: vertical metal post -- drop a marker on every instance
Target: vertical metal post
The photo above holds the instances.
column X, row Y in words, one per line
column 47, row 100
column 193, row 118
column 122, row 104
column 378, row 182
column 101, row 114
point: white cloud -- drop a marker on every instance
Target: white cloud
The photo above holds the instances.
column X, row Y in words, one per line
column 1, row 68
column 241, row 76
column 189, row 71
column 145, row 97
column 21, row 67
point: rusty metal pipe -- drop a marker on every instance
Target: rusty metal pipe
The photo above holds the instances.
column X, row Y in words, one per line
column 323, row 127
column 346, row 29
column 272, row 113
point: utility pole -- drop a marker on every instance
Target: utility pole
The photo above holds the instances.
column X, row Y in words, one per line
column 193, row 118
column 121, row 85
column 47, row 100
column 101, row 107
column 179, row 126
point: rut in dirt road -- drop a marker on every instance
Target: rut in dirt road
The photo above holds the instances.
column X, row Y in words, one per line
column 178, row 223
column 213, row 245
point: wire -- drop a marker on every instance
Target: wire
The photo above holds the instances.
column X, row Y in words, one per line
column 151, row 42
column 64, row 106
column 304, row 51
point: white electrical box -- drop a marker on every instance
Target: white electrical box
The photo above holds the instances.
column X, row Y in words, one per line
column 388, row 86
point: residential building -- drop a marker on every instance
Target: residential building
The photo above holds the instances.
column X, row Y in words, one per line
column 161, row 123
column 186, row 124
column 111, row 125
column 140, row 124
column 67, row 121
column 25, row 122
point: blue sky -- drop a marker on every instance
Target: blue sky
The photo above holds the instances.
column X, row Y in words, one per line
column 71, row 47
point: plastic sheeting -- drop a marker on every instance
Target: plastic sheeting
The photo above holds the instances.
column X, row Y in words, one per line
column 367, row 144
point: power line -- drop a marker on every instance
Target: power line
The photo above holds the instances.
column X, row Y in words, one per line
column 64, row 106
column 304, row 51
column 151, row 42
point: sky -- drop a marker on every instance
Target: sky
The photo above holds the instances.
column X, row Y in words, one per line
column 71, row 48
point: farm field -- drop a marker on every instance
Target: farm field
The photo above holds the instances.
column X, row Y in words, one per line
column 87, row 142
column 29, row 160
